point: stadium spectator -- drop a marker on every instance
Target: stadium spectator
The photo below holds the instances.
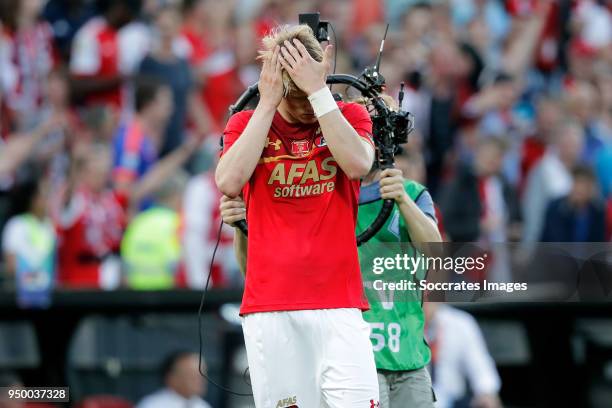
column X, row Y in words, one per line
column 29, row 241
column 579, row 216
column 98, row 56
column 136, row 143
column 183, row 384
column 534, row 145
column 26, row 61
column 66, row 18
column 175, row 72
column 464, row 374
column 151, row 247
column 137, row 170
column 89, row 218
column 603, row 166
column 441, row 121
column 208, row 30
column 592, row 23
column 56, row 147
column 489, row 202
column 551, row 177
column 201, row 218
column 581, row 100
column 21, row 147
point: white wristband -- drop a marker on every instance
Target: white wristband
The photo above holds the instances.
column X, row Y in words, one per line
column 322, row 102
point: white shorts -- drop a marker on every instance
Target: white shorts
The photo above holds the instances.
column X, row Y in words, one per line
column 311, row 359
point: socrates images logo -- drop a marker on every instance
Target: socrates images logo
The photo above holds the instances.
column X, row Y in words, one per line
column 289, row 402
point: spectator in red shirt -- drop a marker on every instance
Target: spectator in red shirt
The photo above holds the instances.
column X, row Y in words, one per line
column 26, row 60
column 90, row 218
column 207, row 30
column 174, row 71
column 97, row 54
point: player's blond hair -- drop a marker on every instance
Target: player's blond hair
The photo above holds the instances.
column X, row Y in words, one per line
column 287, row 33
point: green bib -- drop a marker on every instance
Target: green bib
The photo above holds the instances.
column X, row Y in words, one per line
column 151, row 249
column 396, row 317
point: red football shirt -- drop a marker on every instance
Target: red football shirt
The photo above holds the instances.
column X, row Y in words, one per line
column 301, row 211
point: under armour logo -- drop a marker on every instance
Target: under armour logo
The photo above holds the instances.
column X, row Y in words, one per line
column 276, row 143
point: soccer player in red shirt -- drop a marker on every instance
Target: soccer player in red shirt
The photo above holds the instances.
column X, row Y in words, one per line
column 297, row 159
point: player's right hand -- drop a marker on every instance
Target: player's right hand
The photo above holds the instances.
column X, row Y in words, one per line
column 270, row 80
column 232, row 209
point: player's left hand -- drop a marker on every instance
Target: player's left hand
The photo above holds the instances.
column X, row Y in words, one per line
column 392, row 186
column 308, row 74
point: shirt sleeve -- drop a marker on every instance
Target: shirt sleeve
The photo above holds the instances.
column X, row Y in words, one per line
column 9, row 72
column 234, row 128
column 479, row 365
column 199, row 201
column 85, row 57
column 127, row 161
column 426, row 205
column 13, row 237
column 359, row 118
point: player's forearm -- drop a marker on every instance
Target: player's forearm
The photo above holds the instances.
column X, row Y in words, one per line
column 240, row 250
column 19, row 147
column 353, row 155
column 238, row 163
column 199, row 113
column 522, row 49
column 157, row 175
column 421, row 228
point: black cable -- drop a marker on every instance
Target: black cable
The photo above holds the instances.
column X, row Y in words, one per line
column 200, row 326
column 335, row 51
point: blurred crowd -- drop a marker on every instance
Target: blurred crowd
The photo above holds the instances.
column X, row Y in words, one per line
column 112, row 110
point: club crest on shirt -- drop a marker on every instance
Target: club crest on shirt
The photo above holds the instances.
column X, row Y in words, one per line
column 300, row 148
column 320, row 140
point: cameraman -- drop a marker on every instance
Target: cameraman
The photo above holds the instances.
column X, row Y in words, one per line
column 307, row 343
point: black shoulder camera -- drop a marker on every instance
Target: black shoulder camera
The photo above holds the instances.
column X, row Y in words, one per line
column 399, row 124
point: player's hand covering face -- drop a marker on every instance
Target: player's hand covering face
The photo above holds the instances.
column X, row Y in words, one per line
column 308, row 74
column 232, row 209
column 270, row 80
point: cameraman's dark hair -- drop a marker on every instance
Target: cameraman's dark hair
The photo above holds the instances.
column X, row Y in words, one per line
column 169, row 363
column 146, row 89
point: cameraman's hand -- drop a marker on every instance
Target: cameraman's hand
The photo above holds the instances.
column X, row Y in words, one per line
column 392, row 186
column 232, row 209
column 271, row 80
column 308, row 74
